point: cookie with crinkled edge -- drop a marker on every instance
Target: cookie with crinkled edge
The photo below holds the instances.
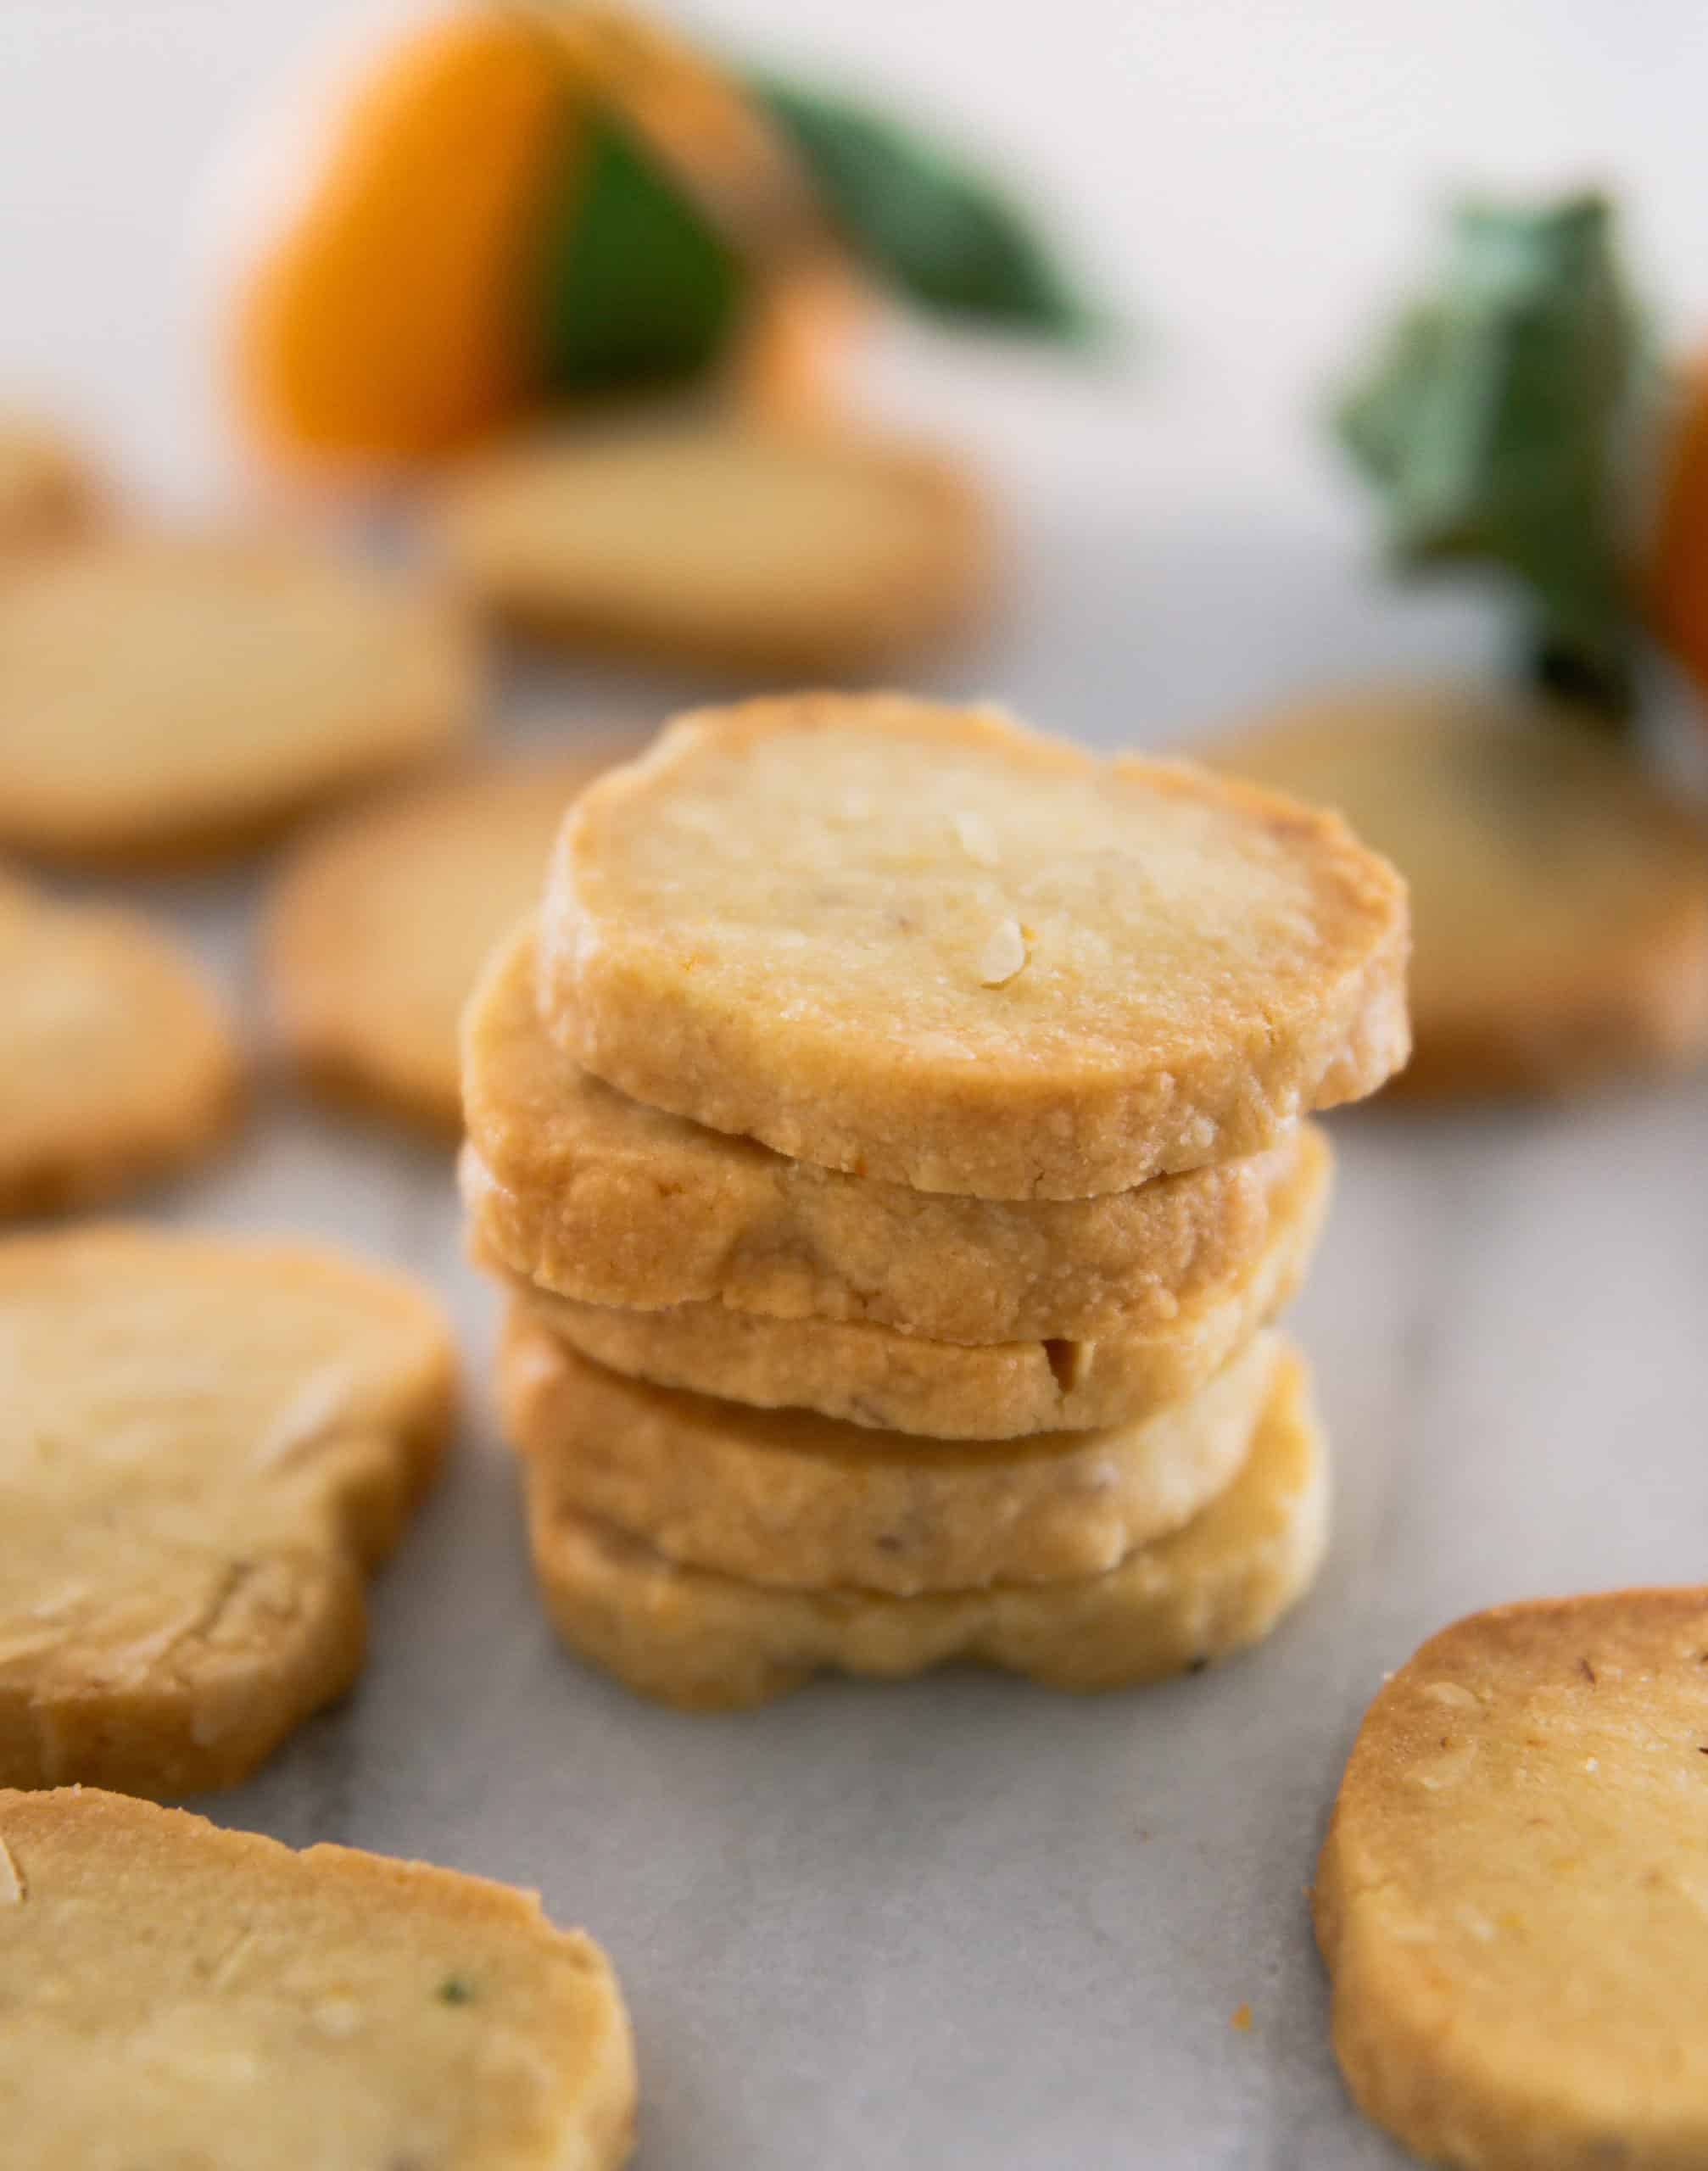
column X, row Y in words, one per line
column 1513, row 1896
column 166, row 699
column 117, row 1063
column 919, row 943
column 723, row 544
column 380, row 922
column 47, row 492
column 874, row 1377
column 707, row 1642
column 607, row 1200
column 206, row 1445
column 787, row 1498
column 1559, row 893
column 177, row 1994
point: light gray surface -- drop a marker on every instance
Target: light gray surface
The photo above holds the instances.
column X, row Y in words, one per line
column 963, row 1922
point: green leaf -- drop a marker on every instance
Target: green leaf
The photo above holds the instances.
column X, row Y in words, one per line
column 1497, row 420
column 942, row 234
column 639, row 288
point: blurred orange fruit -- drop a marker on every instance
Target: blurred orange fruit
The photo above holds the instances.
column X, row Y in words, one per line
column 1678, row 584
column 394, row 317
column 390, row 319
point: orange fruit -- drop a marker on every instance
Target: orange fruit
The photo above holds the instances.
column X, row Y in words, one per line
column 1678, row 579
column 390, row 320
column 394, row 318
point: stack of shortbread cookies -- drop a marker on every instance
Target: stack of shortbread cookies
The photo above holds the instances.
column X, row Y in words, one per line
column 892, row 1134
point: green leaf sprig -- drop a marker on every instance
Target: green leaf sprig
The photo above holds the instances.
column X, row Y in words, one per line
column 942, row 235
column 1496, row 422
column 641, row 287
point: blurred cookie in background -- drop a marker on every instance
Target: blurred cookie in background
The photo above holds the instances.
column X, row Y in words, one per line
column 117, row 1064
column 382, row 915
column 46, row 491
column 725, row 545
column 1559, row 892
column 165, row 700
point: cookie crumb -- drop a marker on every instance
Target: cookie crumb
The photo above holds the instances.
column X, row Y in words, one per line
column 977, row 839
column 1004, row 954
column 1241, row 2019
column 11, row 1879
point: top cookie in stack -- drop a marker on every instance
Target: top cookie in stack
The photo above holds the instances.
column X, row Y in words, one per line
column 920, row 943
column 889, row 1133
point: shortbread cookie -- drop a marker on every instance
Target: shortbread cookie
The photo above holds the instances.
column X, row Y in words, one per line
column 162, row 700
column 787, row 1498
column 609, row 1201
column 723, row 544
column 116, row 1063
column 1560, row 894
column 46, row 492
column 919, row 943
column 204, row 1445
column 1513, row 1898
column 873, row 1376
column 381, row 922
column 709, row 1642
column 177, row 1996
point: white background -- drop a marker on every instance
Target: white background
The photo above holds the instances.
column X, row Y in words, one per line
column 961, row 1924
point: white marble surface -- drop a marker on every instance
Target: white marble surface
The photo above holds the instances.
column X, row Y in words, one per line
column 963, row 1922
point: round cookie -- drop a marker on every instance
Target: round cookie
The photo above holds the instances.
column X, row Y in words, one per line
column 116, row 1063
column 723, row 544
column 707, row 1642
column 1559, row 895
column 608, row 1201
column 208, row 1443
column 46, row 492
column 179, row 1994
column 165, row 700
column 789, row 1499
column 382, row 919
column 1513, row 1896
column 873, row 1376
column 918, row 943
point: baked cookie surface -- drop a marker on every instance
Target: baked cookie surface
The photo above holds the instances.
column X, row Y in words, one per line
column 607, row 1200
column 725, row 545
column 874, row 1377
column 381, row 920
column 710, row 1641
column 204, row 1445
column 1513, row 1896
column 117, row 1064
column 176, row 1995
column 789, row 1499
column 163, row 700
column 46, row 492
column 1560, row 895
column 919, row 943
